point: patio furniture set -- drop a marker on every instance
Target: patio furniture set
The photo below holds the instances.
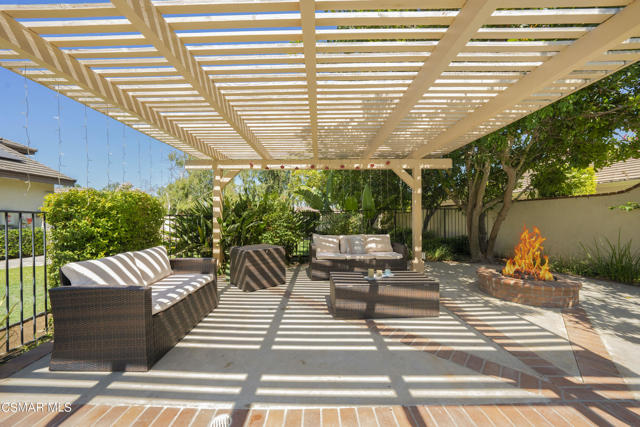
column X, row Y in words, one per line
column 124, row 312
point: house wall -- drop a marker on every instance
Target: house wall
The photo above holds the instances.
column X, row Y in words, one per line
column 566, row 222
column 17, row 195
column 610, row 187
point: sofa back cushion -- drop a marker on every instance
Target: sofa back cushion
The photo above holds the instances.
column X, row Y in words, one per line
column 377, row 243
column 352, row 244
column 117, row 270
column 153, row 264
column 326, row 243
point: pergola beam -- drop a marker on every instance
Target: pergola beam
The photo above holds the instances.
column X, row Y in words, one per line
column 150, row 22
column 323, row 164
column 471, row 17
column 406, row 177
column 20, row 39
column 308, row 18
column 611, row 33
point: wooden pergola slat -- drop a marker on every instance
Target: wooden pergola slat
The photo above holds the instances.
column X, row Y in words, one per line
column 31, row 45
column 154, row 27
column 470, row 18
column 615, row 31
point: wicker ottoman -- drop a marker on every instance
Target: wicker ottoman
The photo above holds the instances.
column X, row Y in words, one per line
column 256, row 267
column 406, row 294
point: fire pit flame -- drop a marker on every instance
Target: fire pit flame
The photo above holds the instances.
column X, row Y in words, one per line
column 526, row 263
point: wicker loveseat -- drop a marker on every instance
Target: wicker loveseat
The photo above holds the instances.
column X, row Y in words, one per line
column 124, row 312
column 356, row 252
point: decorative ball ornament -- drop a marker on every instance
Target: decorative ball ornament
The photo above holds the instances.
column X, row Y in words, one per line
column 388, row 162
column 313, row 166
column 341, row 166
column 281, row 166
column 372, row 165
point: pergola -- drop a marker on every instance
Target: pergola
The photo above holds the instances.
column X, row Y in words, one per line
column 326, row 84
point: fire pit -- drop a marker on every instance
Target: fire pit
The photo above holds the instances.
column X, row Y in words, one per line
column 526, row 280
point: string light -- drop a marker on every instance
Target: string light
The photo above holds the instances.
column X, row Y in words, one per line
column 150, row 168
column 139, row 165
column 26, row 122
column 60, row 154
column 86, row 147
column 124, row 153
column 108, row 148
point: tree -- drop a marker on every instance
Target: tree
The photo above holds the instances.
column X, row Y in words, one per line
column 580, row 130
column 184, row 193
column 560, row 180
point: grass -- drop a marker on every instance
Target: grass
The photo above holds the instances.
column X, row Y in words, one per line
column 27, row 289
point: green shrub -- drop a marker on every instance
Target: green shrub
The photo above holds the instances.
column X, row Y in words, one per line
column 90, row 224
column 268, row 218
column 615, row 261
column 26, row 242
column 573, row 265
column 444, row 249
column 190, row 232
column 340, row 223
column 439, row 253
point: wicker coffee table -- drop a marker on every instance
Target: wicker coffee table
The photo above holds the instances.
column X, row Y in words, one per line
column 405, row 294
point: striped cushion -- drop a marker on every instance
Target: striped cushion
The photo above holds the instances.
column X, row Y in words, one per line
column 153, row 264
column 118, row 270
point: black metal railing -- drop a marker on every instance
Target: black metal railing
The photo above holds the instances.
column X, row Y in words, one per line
column 24, row 236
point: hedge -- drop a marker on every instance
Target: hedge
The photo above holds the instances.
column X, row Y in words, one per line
column 90, row 224
column 26, row 243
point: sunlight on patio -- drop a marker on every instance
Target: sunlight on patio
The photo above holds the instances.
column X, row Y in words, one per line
column 281, row 347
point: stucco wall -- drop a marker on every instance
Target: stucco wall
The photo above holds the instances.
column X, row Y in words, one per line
column 18, row 195
column 567, row 221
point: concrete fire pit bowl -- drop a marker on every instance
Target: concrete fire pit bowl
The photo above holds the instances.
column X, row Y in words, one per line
column 560, row 293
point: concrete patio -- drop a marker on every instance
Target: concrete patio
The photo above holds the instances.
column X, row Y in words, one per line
column 279, row 353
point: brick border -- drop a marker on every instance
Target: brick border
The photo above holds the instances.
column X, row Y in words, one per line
column 561, row 293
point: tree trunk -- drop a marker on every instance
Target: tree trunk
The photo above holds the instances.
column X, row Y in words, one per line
column 427, row 218
column 507, row 201
column 474, row 210
column 482, row 233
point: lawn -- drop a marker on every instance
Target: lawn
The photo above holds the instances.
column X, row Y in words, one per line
column 27, row 289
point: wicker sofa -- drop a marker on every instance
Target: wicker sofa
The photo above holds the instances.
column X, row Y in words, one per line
column 124, row 312
column 357, row 252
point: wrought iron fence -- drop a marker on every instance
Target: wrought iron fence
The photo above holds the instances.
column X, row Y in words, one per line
column 446, row 222
column 23, row 246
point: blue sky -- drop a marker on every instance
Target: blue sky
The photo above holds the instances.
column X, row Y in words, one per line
column 154, row 168
column 146, row 167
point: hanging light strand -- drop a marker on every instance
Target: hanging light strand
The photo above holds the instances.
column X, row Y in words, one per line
column 60, row 153
column 26, row 121
column 124, row 153
column 86, row 147
column 150, row 189
column 139, row 165
column 108, row 148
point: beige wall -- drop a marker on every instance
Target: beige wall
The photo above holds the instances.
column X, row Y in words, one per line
column 566, row 222
column 15, row 194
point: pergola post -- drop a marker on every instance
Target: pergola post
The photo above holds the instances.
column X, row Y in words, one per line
column 417, row 263
column 217, row 213
column 415, row 183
